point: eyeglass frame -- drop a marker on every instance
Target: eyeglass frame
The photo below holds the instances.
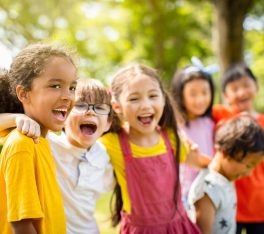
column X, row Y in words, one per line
column 91, row 107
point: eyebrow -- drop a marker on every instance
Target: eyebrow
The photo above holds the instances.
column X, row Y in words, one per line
column 60, row 80
column 149, row 91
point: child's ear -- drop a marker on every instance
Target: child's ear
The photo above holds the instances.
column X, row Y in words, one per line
column 116, row 107
column 22, row 94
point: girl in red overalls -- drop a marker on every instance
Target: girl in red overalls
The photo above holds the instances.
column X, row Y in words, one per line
column 145, row 151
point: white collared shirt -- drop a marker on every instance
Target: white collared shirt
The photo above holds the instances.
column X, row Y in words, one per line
column 82, row 176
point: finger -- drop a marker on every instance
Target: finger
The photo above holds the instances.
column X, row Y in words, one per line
column 37, row 130
column 19, row 124
column 36, row 140
column 31, row 130
column 25, row 127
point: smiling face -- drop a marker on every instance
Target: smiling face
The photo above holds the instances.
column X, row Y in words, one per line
column 83, row 129
column 233, row 169
column 197, row 97
column 240, row 94
column 141, row 104
column 52, row 94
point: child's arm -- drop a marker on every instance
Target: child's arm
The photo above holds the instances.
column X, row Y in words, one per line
column 205, row 214
column 196, row 158
column 25, row 226
column 24, row 124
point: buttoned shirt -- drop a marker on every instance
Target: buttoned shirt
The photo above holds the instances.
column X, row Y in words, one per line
column 83, row 175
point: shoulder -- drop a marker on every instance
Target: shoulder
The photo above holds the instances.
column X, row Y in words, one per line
column 109, row 139
column 19, row 142
column 260, row 119
column 221, row 112
column 100, row 150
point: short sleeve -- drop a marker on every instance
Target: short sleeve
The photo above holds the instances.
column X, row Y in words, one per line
column 214, row 192
column 21, row 189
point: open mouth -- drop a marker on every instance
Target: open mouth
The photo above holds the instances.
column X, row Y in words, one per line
column 145, row 120
column 88, row 129
column 60, row 114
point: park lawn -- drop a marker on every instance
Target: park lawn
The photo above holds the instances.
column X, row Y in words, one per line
column 102, row 215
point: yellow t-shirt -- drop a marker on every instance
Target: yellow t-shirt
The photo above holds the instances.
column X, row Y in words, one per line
column 28, row 185
column 111, row 142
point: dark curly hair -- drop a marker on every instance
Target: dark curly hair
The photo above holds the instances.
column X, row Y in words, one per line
column 26, row 66
column 31, row 61
column 8, row 102
column 239, row 136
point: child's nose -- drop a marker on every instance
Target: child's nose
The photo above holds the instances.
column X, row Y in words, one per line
column 145, row 102
column 67, row 94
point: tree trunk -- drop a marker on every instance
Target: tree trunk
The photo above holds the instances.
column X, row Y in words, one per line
column 228, row 30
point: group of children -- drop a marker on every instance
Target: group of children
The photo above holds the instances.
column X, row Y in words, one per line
column 49, row 182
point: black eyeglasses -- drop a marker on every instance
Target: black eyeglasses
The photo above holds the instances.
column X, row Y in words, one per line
column 98, row 108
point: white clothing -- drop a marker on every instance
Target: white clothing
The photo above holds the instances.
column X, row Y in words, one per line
column 222, row 194
column 83, row 175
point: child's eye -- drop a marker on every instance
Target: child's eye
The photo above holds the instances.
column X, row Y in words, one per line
column 73, row 88
column 55, row 86
column 154, row 96
column 133, row 99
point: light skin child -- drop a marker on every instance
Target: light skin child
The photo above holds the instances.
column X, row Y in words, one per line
column 193, row 91
column 141, row 104
column 144, row 110
column 240, row 88
column 238, row 151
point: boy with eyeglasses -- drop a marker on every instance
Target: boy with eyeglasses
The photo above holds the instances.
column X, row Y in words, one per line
column 82, row 164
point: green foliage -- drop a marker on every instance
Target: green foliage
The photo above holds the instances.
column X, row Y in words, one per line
column 106, row 34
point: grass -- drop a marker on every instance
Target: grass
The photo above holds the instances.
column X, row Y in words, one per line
column 102, row 215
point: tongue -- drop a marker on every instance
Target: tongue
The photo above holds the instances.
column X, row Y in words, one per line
column 59, row 115
column 145, row 120
column 87, row 131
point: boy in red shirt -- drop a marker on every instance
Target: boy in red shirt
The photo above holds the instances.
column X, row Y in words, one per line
column 240, row 87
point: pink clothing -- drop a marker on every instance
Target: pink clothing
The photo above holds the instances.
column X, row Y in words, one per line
column 151, row 184
column 199, row 131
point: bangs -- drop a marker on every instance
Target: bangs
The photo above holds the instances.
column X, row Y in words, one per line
column 93, row 91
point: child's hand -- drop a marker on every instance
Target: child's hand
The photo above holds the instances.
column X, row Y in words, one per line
column 196, row 158
column 28, row 127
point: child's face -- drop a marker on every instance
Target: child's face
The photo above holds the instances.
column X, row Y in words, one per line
column 52, row 95
column 83, row 129
column 141, row 104
column 197, row 97
column 240, row 94
column 234, row 169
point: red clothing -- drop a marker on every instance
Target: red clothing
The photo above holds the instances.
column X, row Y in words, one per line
column 151, row 183
column 250, row 189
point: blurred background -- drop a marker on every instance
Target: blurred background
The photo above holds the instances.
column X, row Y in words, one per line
column 164, row 34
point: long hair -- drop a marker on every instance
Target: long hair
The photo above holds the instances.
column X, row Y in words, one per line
column 167, row 121
column 180, row 79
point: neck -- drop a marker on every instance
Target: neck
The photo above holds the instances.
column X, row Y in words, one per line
column 192, row 116
column 144, row 140
column 217, row 164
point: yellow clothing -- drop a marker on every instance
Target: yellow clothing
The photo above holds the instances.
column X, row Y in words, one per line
column 28, row 185
column 111, row 142
column 3, row 134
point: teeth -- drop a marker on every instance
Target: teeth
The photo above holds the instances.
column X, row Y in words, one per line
column 64, row 110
